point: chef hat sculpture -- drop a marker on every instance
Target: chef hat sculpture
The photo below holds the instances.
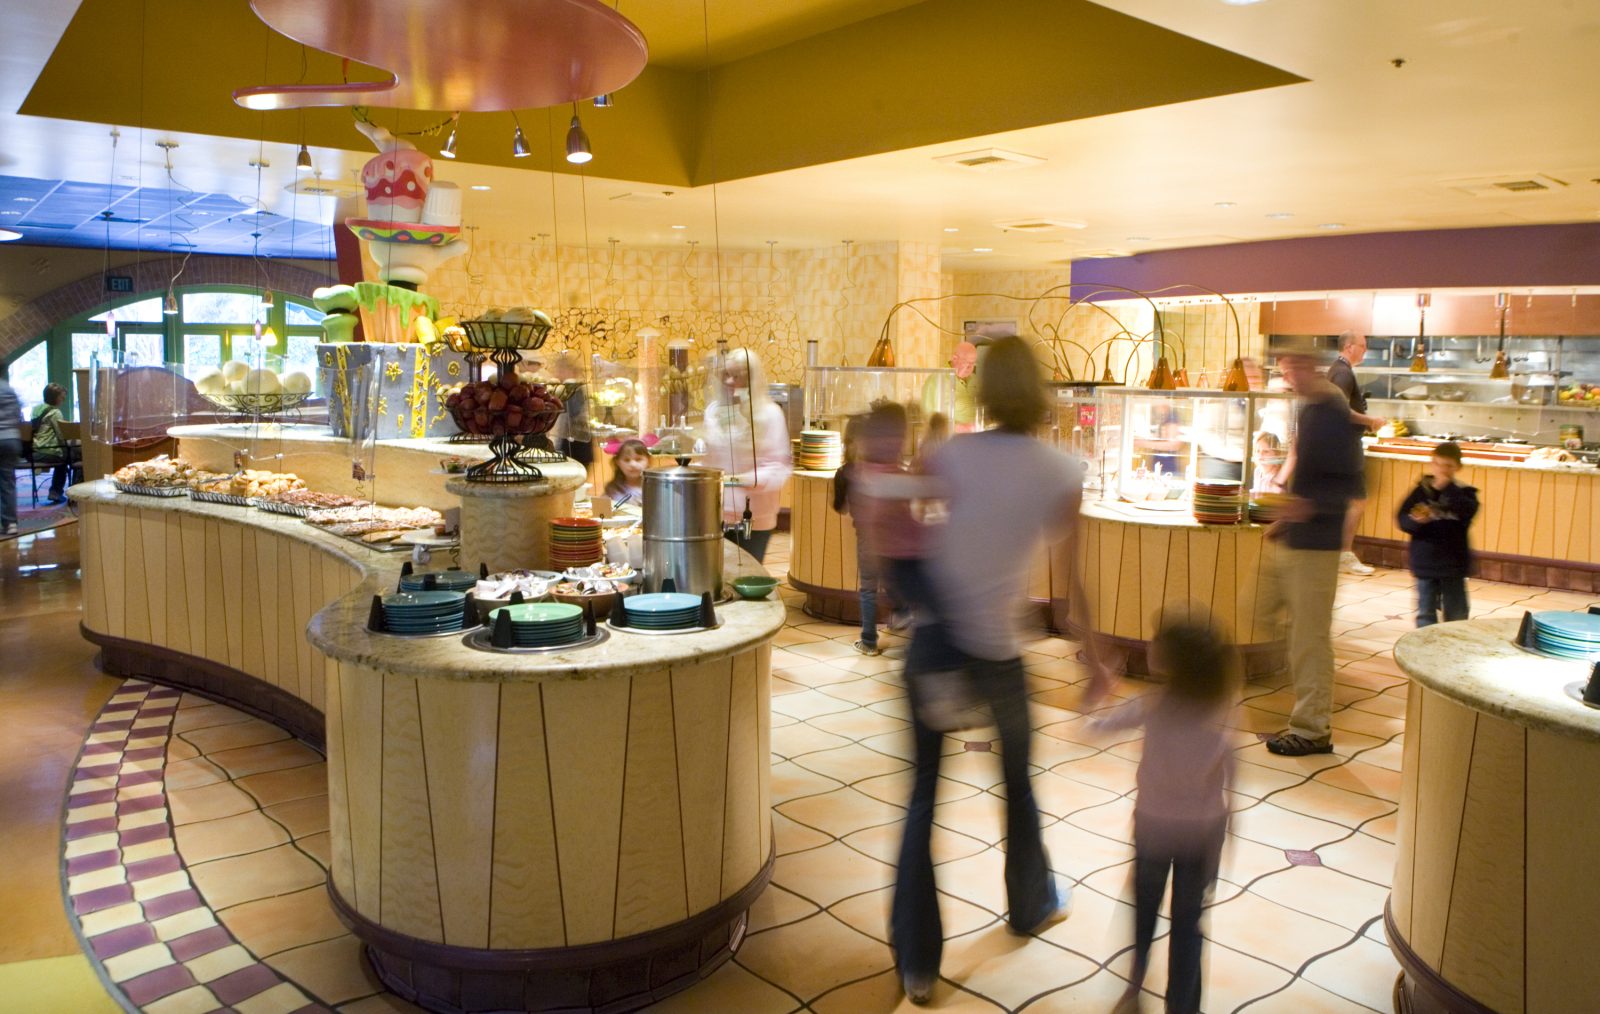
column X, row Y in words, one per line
column 413, row 223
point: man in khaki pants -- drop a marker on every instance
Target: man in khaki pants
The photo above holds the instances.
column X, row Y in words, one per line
column 1305, row 544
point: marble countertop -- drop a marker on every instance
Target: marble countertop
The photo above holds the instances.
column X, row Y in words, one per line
column 558, row 478
column 1132, row 514
column 339, row 630
column 1568, row 468
column 247, row 432
column 1476, row 663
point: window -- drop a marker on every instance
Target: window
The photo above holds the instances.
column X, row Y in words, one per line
column 301, row 354
column 201, row 352
column 221, row 307
column 85, row 346
column 29, row 373
column 297, row 313
column 144, row 348
column 145, row 311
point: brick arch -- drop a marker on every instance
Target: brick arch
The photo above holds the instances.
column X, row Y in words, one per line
column 38, row 315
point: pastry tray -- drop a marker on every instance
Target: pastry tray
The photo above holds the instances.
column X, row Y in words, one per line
column 206, row 496
column 294, row 510
column 137, row 490
column 482, row 639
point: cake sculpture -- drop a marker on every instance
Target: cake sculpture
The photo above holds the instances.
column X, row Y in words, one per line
column 413, row 223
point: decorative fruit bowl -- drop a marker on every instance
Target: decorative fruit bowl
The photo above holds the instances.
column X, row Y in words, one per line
column 508, row 334
column 505, row 406
column 257, row 403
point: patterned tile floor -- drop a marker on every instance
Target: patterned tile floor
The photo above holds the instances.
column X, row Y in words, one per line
column 196, row 838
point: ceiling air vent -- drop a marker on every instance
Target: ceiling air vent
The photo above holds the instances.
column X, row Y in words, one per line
column 989, row 160
column 1038, row 225
column 1500, row 186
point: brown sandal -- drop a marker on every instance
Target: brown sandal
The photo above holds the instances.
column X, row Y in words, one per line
column 1290, row 744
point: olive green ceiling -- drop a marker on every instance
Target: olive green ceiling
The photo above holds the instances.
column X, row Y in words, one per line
column 928, row 73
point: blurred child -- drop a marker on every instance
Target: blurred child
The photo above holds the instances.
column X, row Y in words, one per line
column 891, row 529
column 1268, row 463
column 847, row 500
column 627, row 472
column 1436, row 515
column 1180, row 816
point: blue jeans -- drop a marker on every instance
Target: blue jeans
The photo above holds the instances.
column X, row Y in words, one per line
column 1450, row 593
column 869, row 573
column 916, row 931
column 1193, row 870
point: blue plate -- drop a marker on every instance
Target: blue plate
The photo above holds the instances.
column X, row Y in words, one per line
column 1580, row 626
column 662, row 602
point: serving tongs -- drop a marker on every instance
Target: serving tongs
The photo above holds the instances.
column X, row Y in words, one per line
column 1501, row 370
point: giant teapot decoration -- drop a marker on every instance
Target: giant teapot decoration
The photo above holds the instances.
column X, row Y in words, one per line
column 413, row 223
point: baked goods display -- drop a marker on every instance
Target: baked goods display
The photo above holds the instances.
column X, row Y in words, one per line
column 310, row 498
column 1549, row 455
column 374, row 525
column 251, row 483
column 238, row 387
column 160, row 476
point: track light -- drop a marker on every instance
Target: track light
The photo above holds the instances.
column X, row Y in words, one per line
column 577, row 141
column 604, row 101
column 449, row 149
column 170, row 306
column 302, row 161
column 519, row 144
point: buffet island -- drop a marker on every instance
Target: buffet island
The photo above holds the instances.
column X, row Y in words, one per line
column 579, row 829
column 1491, row 909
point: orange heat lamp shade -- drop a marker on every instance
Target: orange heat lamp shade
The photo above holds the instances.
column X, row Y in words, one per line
column 1161, row 377
column 1236, row 381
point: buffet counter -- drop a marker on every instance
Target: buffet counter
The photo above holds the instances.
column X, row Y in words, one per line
column 576, row 830
column 1536, row 525
column 1493, row 907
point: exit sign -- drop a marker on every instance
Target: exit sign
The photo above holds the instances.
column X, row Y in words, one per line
column 119, row 283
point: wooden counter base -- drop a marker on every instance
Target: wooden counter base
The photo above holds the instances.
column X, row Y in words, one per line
column 121, row 657
column 619, row 975
column 1419, row 989
column 1568, row 575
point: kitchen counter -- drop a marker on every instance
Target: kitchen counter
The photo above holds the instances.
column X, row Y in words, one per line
column 1493, row 907
column 583, row 829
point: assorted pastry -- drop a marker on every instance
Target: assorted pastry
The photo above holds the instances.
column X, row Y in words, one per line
column 376, row 525
column 249, row 483
column 301, row 497
column 160, row 473
column 533, row 584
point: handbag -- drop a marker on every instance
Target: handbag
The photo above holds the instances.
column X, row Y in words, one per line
column 940, row 678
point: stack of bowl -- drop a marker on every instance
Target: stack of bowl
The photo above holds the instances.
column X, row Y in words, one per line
column 1567, row 635
column 419, row 613
column 663, row 611
column 541, row 624
column 1217, row 503
column 575, row 542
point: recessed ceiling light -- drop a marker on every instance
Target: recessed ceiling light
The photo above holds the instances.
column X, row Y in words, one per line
column 1226, row 204
column 1331, row 225
column 983, row 249
column 479, row 186
column 951, row 228
column 23, row 200
column 1240, row 3
column 1137, row 239
column 10, row 212
column 680, row 227
column 1279, row 216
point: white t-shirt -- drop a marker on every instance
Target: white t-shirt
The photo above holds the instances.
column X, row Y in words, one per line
column 1006, row 492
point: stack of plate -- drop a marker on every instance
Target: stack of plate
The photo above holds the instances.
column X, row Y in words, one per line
column 443, row 580
column 575, row 542
column 820, row 451
column 1567, row 635
column 1217, row 503
column 424, row 612
column 541, row 624
column 663, row 611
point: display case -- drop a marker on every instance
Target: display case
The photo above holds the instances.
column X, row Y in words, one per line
column 1154, row 446
column 1085, row 425
column 835, row 393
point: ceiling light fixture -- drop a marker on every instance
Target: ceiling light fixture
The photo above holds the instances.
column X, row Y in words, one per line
column 519, row 144
column 680, row 227
column 1225, row 204
column 302, row 161
column 604, row 101
column 7, row 235
column 170, row 306
column 577, row 141
column 1278, row 216
column 23, row 200
column 983, row 249
column 1241, row 3
column 1137, row 239
column 449, row 149
column 479, row 186
column 1331, row 225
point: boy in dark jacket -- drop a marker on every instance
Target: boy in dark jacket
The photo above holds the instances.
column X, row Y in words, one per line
column 1436, row 516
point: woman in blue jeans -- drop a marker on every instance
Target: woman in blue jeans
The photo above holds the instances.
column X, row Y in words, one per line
column 1006, row 493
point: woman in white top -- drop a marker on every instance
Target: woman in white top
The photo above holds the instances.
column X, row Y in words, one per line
column 747, row 437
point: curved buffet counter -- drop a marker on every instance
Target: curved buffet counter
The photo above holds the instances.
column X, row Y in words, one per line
column 1132, row 563
column 1493, row 906
column 1537, row 525
column 578, row 830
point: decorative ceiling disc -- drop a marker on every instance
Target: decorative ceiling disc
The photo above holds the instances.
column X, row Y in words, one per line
column 477, row 56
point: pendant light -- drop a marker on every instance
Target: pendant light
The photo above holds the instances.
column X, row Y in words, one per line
column 1501, row 370
column 577, row 141
column 1419, row 348
column 302, row 161
column 449, row 149
column 170, row 305
column 519, row 144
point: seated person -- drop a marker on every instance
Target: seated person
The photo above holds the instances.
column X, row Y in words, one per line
column 49, row 446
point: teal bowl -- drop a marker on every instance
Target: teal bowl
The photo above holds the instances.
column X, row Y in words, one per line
column 754, row 587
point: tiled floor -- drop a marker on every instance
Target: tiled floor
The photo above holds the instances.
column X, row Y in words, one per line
column 196, row 869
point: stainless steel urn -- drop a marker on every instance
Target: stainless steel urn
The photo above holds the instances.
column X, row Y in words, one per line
column 683, row 529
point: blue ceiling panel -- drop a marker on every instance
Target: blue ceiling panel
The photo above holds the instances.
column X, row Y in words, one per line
column 70, row 213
